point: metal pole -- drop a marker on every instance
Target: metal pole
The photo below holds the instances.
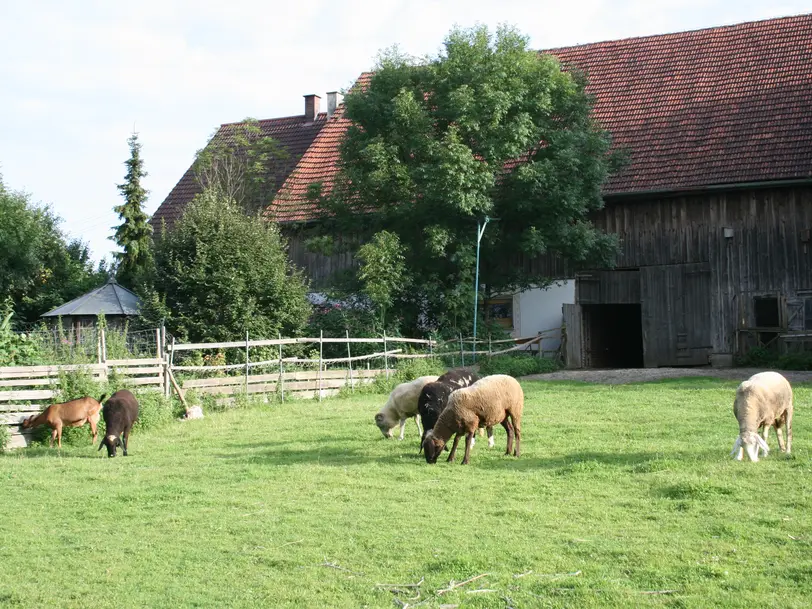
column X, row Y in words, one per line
column 281, row 373
column 490, row 346
column 479, row 233
column 321, row 356
column 349, row 361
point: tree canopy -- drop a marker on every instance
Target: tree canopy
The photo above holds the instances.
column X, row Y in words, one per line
column 220, row 273
column 134, row 234
column 486, row 127
column 40, row 267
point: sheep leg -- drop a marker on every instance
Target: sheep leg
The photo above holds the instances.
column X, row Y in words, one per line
column 59, row 435
column 52, row 438
column 417, row 422
column 781, row 444
column 468, row 441
column 402, row 428
column 93, row 432
column 125, row 441
column 788, row 430
column 517, row 431
column 491, row 439
column 509, row 429
column 454, row 447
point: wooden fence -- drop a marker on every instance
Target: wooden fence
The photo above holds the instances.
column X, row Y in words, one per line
column 27, row 390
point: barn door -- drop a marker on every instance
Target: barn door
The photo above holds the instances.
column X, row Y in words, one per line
column 676, row 315
column 572, row 339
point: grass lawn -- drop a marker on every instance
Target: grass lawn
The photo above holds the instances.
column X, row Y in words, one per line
column 624, row 497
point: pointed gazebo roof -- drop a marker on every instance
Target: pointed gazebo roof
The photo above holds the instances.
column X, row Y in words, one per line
column 110, row 299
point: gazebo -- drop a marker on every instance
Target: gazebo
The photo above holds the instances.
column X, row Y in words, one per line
column 114, row 300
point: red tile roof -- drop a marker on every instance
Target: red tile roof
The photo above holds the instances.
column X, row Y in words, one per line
column 716, row 106
column 293, row 133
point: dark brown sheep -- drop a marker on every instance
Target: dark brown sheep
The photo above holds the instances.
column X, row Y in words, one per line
column 119, row 412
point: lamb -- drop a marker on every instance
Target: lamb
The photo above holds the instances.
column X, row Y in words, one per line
column 401, row 405
column 762, row 400
column 120, row 412
column 434, row 398
column 73, row 413
column 494, row 399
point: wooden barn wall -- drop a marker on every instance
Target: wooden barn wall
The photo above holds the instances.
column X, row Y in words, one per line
column 318, row 267
column 769, row 252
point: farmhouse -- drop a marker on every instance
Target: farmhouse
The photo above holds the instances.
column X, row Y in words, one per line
column 713, row 210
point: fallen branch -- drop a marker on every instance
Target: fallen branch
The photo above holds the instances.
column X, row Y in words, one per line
column 417, row 585
column 290, row 543
column 480, row 591
column 659, row 591
column 560, row 575
column 526, row 573
column 453, row 586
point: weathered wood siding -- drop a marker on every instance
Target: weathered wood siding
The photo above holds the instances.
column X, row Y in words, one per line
column 320, row 268
column 697, row 284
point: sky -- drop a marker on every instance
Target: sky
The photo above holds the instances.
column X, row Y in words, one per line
column 78, row 76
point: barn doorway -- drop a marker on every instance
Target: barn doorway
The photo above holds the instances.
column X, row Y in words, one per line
column 613, row 336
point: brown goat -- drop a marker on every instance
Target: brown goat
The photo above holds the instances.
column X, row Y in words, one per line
column 74, row 413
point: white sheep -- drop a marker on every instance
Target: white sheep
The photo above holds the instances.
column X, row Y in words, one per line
column 762, row 400
column 494, row 399
column 402, row 405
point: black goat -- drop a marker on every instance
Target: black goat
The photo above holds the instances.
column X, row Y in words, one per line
column 434, row 397
column 119, row 412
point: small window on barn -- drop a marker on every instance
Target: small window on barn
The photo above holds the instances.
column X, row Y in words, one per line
column 808, row 314
column 500, row 310
column 766, row 312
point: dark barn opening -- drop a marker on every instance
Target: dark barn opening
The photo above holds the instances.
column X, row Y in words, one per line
column 767, row 312
column 613, row 336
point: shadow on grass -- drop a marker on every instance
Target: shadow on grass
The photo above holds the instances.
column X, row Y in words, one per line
column 570, row 463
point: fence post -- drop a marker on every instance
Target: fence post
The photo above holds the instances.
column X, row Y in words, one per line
column 321, row 357
column 385, row 357
column 349, row 361
column 462, row 353
column 158, row 343
column 98, row 344
column 103, row 344
column 281, row 372
column 166, row 368
column 246, row 364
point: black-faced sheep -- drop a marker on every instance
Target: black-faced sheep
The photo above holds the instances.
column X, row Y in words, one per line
column 401, row 405
column 434, row 398
column 494, row 399
column 119, row 412
column 762, row 400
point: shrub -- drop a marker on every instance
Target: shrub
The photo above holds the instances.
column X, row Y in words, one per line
column 5, row 437
column 761, row 357
column 516, row 365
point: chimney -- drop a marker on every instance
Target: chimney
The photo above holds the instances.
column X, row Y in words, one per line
column 312, row 107
column 334, row 100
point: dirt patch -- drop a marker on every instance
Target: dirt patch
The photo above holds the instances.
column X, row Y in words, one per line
column 641, row 375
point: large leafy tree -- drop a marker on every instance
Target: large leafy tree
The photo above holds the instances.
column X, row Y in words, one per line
column 220, row 273
column 381, row 271
column 486, row 127
column 40, row 267
column 134, row 234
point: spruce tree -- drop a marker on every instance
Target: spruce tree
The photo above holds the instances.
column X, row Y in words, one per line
column 133, row 235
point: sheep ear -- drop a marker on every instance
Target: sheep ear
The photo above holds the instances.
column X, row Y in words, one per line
column 736, row 445
column 102, row 444
column 762, row 444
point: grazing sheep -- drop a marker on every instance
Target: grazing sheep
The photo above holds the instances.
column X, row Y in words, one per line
column 494, row 399
column 401, row 405
column 762, row 400
column 74, row 413
column 434, row 398
column 120, row 412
